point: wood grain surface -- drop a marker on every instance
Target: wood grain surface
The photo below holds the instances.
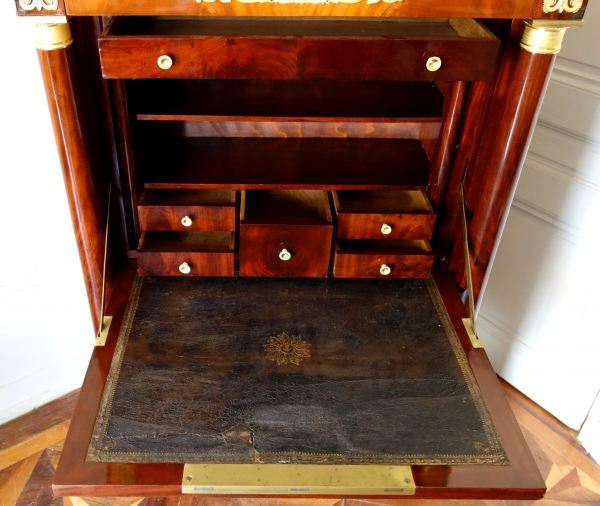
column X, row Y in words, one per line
column 523, row 9
column 318, row 100
column 253, row 163
column 208, row 210
column 362, row 214
column 295, row 49
column 364, row 259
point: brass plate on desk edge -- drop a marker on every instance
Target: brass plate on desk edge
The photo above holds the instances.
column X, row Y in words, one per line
column 299, row 479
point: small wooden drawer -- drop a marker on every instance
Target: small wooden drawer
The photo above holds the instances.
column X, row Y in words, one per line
column 383, row 215
column 186, row 254
column 187, row 210
column 382, row 259
column 247, row 48
column 285, row 233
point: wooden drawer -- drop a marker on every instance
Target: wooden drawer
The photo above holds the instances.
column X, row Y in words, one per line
column 382, row 259
column 285, row 233
column 382, row 49
column 383, row 215
column 187, row 210
column 168, row 254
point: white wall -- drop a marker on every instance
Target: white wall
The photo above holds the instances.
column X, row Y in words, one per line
column 46, row 334
column 539, row 315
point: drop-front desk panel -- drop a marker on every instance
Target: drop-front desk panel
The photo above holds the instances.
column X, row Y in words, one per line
column 268, row 203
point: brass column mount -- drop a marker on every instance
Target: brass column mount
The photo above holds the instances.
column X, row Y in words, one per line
column 50, row 36
column 545, row 36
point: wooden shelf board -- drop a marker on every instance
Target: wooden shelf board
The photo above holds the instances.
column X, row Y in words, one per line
column 280, row 101
column 258, row 163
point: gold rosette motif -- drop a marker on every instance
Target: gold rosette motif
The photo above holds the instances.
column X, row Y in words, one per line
column 284, row 349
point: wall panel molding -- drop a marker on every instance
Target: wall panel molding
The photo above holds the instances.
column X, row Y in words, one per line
column 578, row 76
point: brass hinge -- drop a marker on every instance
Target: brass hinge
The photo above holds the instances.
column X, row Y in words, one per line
column 105, row 321
column 297, row 479
column 469, row 323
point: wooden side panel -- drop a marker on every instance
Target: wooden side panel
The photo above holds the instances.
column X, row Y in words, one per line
column 75, row 152
column 521, row 79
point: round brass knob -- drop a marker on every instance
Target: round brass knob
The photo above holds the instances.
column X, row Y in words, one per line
column 165, row 62
column 184, row 268
column 385, row 270
column 434, row 63
column 386, row 229
column 186, row 221
column 285, row 255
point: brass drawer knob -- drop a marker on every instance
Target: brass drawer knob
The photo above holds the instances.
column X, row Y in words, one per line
column 285, row 255
column 165, row 62
column 386, row 229
column 184, row 268
column 385, row 269
column 434, row 63
column 186, row 221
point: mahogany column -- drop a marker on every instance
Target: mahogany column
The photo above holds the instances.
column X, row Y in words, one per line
column 56, row 61
column 520, row 83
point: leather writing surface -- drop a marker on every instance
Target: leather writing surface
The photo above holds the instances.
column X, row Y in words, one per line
column 268, row 370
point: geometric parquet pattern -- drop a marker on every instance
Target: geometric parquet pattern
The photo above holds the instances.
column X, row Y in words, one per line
column 30, row 448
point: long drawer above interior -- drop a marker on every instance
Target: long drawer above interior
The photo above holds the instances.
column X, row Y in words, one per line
column 298, row 48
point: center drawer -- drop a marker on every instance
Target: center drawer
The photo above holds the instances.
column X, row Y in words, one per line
column 298, row 48
column 285, row 233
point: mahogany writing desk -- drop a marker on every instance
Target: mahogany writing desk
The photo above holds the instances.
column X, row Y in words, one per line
column 291, row 140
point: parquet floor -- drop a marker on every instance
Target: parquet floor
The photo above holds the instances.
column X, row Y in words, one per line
column 31, row 445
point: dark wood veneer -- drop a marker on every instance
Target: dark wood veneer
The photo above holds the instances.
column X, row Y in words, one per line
column 297, row 221
column 364, row 259
column 523, row 9
column 208, row 210
column 317, row 100
column 206, row 253
column 361, row 215
column 236, row 48
column 254, row 163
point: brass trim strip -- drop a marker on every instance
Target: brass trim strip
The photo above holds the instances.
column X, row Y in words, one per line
column 297, row 479
column 469, row 323
column 50, row 36
column 105, row 321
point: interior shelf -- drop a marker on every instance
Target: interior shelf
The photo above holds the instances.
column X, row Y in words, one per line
column 256, row 163
column 271, row 100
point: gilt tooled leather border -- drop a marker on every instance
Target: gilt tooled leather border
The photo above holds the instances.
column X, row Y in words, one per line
column 492, row 455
